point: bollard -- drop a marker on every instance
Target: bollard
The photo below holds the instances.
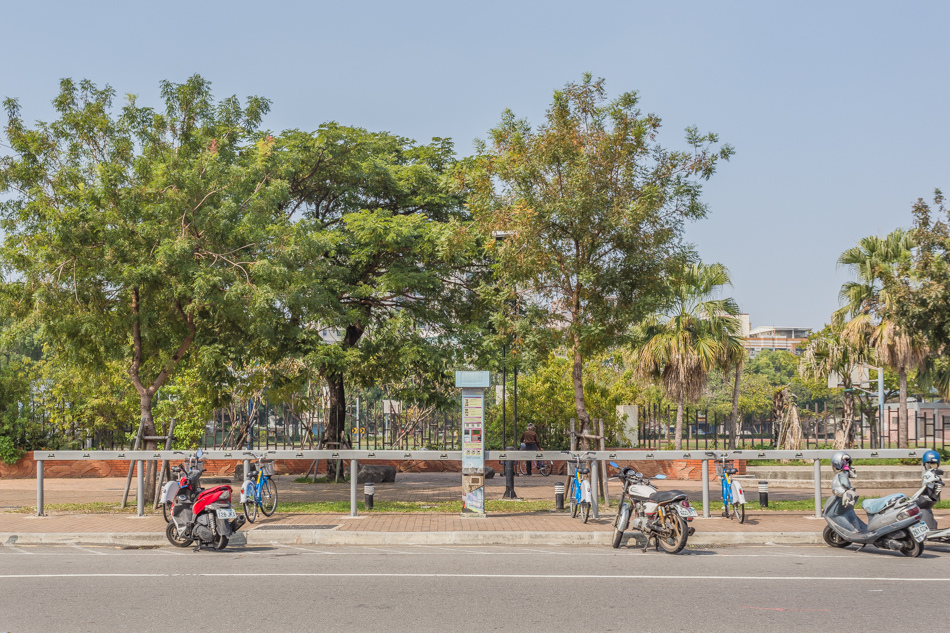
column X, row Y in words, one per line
column 764, row 494
column 368, row 491
column 510, row 477
column 559, row 495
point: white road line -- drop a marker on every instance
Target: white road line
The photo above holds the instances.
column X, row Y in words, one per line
column 17, row 549
column 303, row 549
column 496, row 576
column 459, row 550
column 86, row 549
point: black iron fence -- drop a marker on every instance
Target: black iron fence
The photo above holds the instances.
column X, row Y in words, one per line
column 709, row 430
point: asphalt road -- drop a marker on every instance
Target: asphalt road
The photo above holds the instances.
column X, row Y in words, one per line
column 284, row 588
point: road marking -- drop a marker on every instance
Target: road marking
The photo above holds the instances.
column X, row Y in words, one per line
column 91, row 551
column 303, row 549
column 495, row 576
column 17, row 549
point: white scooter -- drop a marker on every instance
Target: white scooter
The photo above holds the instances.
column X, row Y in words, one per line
column 926, row 497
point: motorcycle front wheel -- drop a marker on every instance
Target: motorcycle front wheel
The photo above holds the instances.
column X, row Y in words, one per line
column 832, row 538
column 220, row 542
column 171, row 533
column 676, row 532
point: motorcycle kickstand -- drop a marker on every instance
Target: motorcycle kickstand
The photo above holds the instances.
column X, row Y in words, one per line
column 861, row 546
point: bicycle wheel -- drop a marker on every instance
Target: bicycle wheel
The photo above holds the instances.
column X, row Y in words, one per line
column 250, row 509
column 585, row 511
column 268, row 497
column 167, row 511
column 674, row 525
column 575, row 506
column 519, row 467
column 739, row 511
column 545, row 468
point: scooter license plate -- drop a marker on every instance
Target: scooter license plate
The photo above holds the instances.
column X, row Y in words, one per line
column 227, row 513
column 919, row 531
column 686, row 512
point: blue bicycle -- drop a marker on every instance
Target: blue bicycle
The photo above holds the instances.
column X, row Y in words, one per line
column 259, row 490
column 732, row 493
column 579, row 491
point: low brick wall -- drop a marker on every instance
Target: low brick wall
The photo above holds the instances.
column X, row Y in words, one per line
column 65, row 469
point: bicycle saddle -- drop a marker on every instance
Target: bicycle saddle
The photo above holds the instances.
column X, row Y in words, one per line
column 667, row 495
column 730, row 471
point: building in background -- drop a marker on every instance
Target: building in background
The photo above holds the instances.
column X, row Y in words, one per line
column 772, row 337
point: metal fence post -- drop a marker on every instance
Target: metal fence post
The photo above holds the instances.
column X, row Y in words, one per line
column 594, row 489
column 140, row 488
column 354, row 467
column 817, row 488
column 705, row 488
column 39, row 488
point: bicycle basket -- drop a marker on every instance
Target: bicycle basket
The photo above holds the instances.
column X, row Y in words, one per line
column 267, row 468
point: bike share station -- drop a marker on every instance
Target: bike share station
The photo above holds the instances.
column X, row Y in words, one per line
column 473, row 385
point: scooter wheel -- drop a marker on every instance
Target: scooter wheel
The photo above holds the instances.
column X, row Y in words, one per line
column 914, row 549
column 832, row 538
column 220, row 542
column 171, row 533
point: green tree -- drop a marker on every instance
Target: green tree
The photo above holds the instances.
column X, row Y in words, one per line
column 696, row 334
column 592, row 208
column 134, row 236
column 870, row 310
column 370, row 263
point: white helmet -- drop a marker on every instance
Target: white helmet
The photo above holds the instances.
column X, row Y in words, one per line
column 841, row 461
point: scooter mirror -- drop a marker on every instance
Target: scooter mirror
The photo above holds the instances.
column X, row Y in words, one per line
column 199, row 453
column 938, row 471
column 660, row 476
column 614, row 464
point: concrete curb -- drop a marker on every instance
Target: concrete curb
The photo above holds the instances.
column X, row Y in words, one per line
column 333, row 537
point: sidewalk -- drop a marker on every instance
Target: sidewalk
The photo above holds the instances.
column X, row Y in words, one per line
column 377, row 528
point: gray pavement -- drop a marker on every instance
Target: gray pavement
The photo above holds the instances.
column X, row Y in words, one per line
column 419, row 588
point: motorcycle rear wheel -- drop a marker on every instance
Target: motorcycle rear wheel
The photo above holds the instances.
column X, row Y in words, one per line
column 171, row 533
column 220, row 542
column 914, row 550
column 675, row 541
column 832, row 538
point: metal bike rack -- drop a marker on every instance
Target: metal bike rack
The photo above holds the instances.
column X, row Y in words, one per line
column 237, row 455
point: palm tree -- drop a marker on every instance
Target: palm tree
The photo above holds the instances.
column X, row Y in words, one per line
column 696, row 334
column 830, row 352
column 870, row 308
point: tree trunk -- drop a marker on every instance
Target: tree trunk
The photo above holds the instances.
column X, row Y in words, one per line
column 577, row 375
column 148, row 429
column 335, row 433
column 844, row 433
column 903, row 422
column 734, row 423
column 678, row 434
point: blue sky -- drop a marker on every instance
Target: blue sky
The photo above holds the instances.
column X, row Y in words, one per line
column 837, row 110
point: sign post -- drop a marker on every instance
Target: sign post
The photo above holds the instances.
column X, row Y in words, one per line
column 473, row 385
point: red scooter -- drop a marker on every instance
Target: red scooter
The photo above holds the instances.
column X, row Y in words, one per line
column 204, row 517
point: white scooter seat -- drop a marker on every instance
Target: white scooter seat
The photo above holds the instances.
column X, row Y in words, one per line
column 874, row 506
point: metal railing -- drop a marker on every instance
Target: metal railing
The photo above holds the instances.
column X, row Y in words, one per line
column 355, row 456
